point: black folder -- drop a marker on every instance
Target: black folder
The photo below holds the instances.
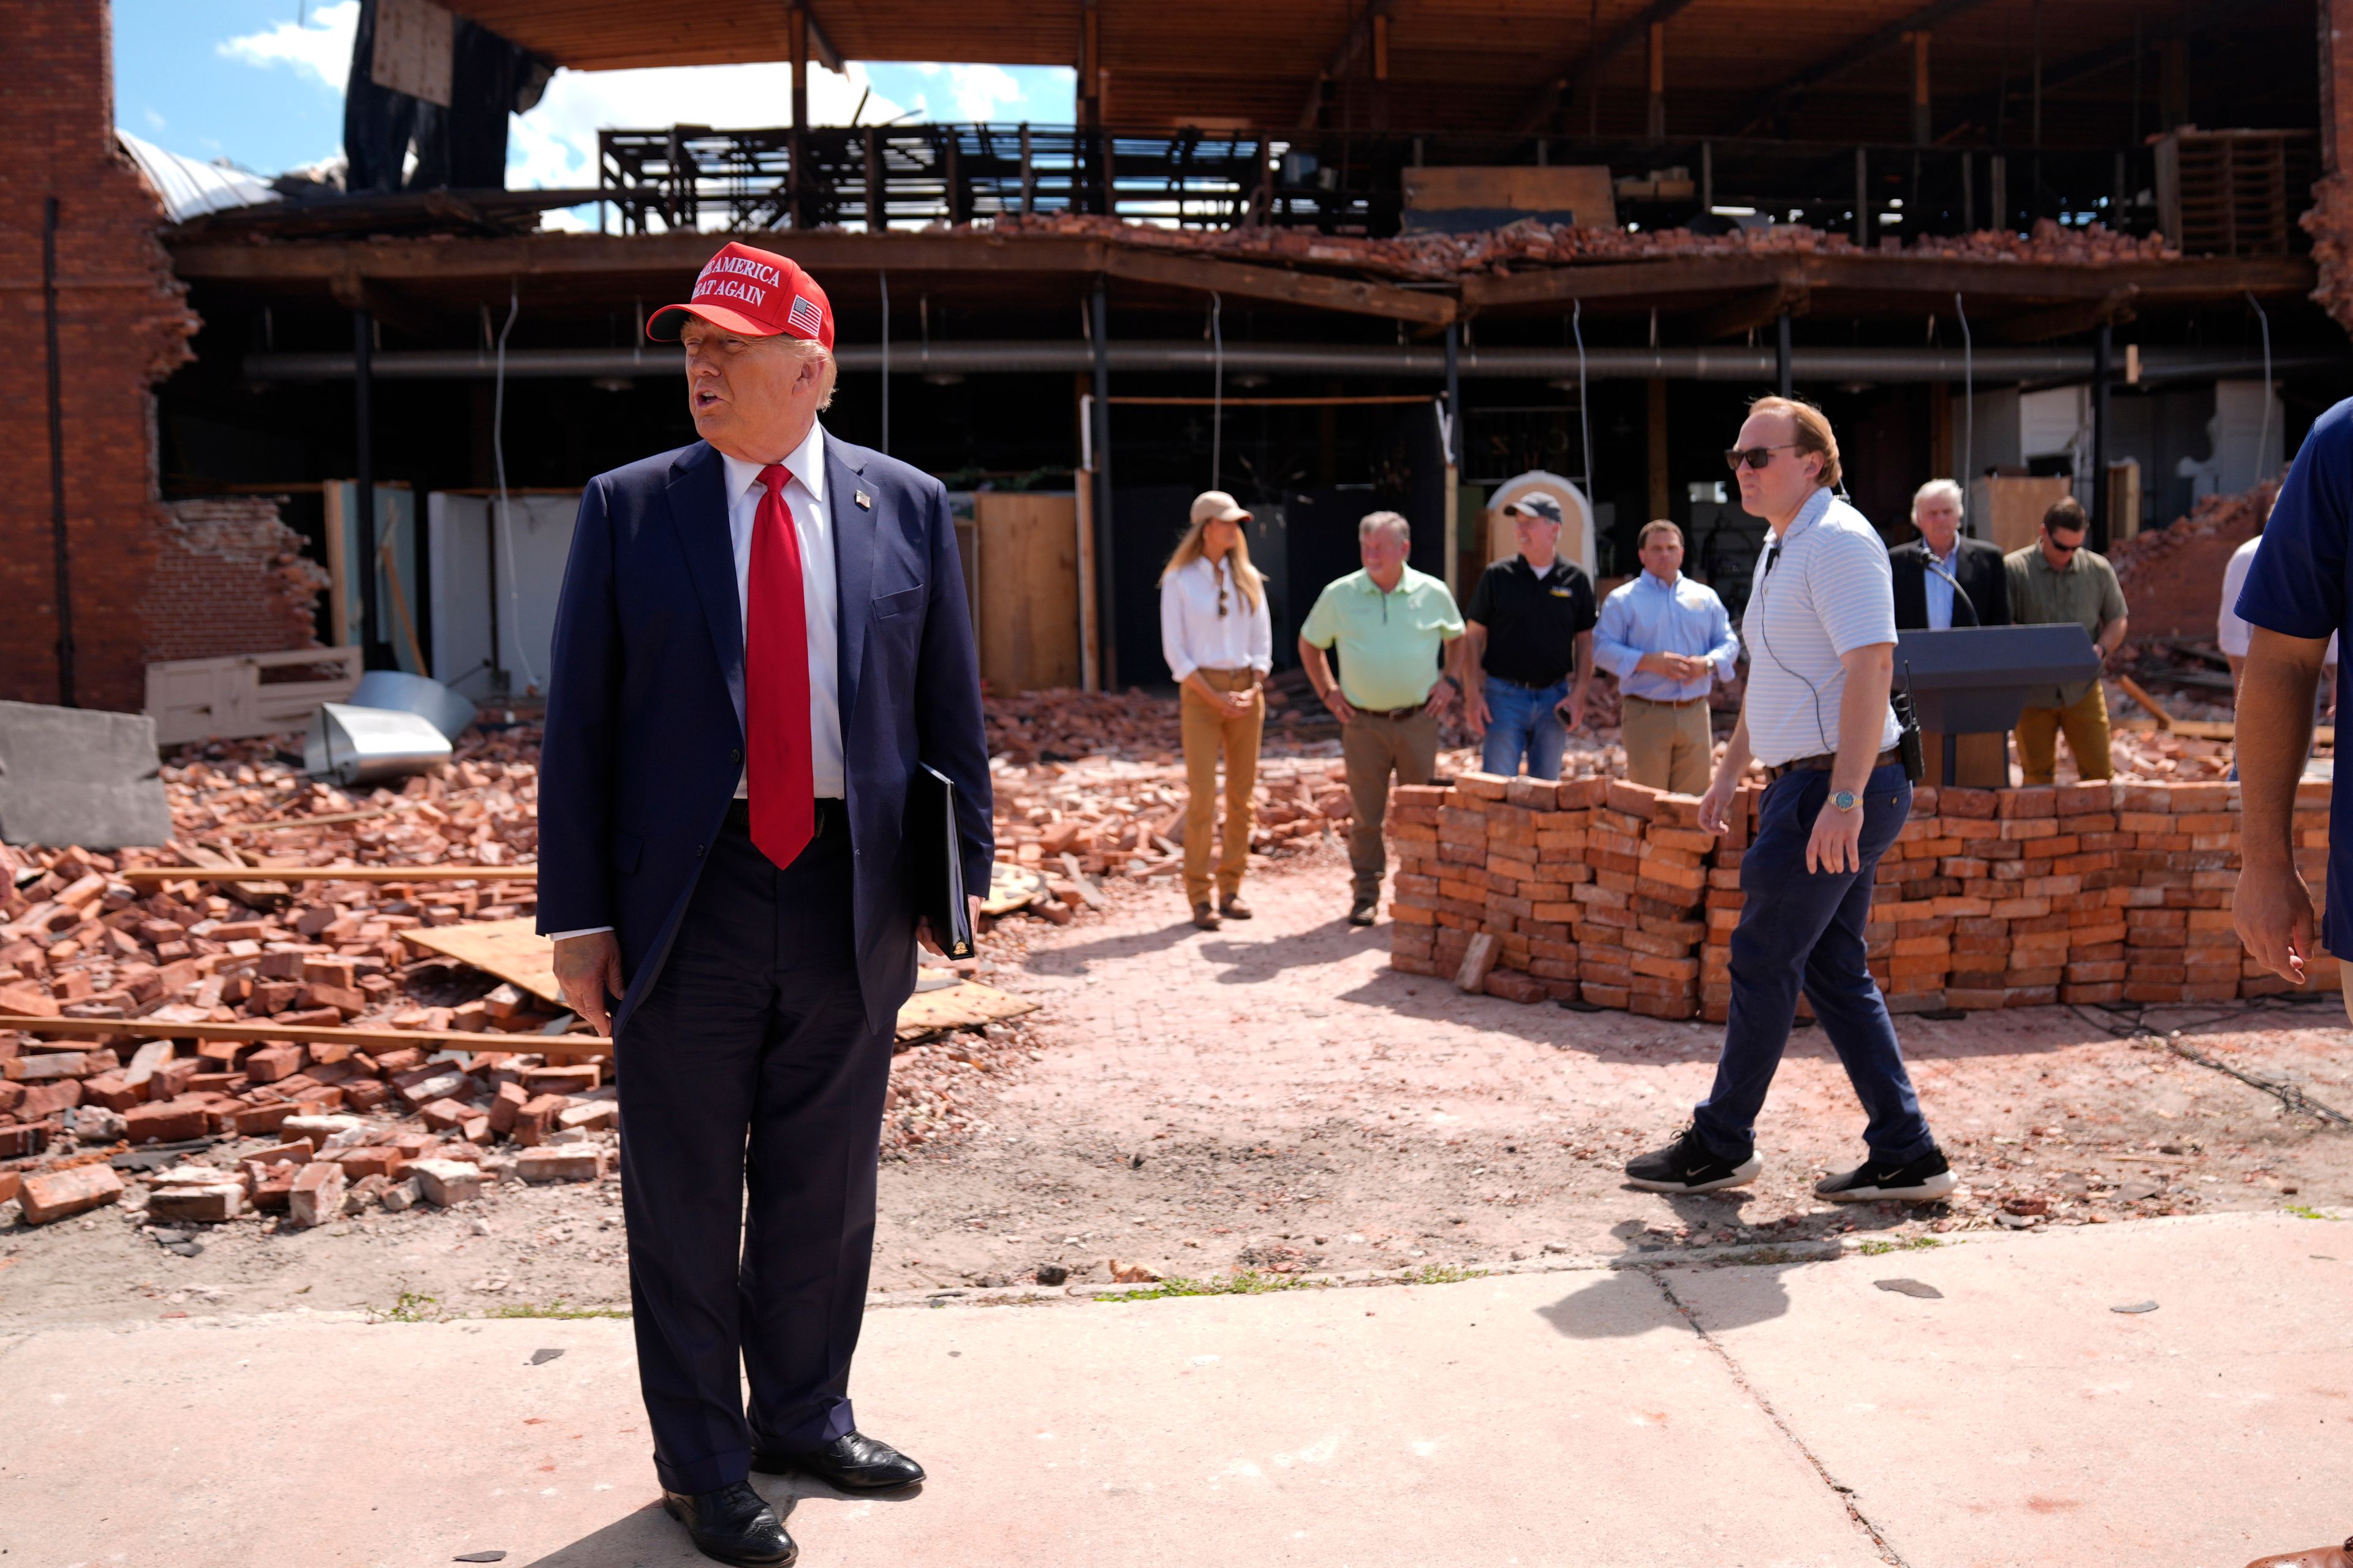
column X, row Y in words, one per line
column 935, row 853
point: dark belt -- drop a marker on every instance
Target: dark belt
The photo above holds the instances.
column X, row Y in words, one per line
column 1654, row 702
column 1823, row 763
column 1532, row 685
column 1391, row 712
column 832, row 816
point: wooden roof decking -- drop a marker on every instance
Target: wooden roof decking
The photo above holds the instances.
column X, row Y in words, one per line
column 1489, row 65
column 979, row 270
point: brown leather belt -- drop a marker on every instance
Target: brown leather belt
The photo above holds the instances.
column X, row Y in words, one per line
column 1654, row 702
column 1823, row 762
column 1392, row 713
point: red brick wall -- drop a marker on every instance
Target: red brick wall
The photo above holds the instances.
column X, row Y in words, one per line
column 230, row 577
column 122, row 325
column 2330, row 221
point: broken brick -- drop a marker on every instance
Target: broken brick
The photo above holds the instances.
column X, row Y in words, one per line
column 318, row 1193
column 54, row 1195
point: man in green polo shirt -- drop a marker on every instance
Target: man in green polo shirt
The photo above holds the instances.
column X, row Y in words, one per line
column 1391, row 625
column 2052, row 581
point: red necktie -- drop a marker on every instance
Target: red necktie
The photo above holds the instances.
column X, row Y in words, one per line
column 776, row 680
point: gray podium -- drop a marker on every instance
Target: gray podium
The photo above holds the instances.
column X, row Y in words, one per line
column 1976, row 680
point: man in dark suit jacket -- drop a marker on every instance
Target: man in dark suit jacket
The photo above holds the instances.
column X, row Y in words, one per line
column 1925, row 571
column 1924, row 600
column 761, row 638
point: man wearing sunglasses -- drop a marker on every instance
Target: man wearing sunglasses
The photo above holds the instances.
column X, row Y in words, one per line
column 2052, row 581
column 1821, row 628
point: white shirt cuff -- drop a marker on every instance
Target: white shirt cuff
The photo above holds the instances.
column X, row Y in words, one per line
column 583, row 931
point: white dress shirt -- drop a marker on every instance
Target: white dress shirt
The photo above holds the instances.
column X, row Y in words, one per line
column 804, row 496
column 1194, row 635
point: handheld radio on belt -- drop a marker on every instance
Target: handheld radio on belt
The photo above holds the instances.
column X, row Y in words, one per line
column 1915, row 765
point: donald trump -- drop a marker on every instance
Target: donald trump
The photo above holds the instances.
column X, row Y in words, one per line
column 761, row 637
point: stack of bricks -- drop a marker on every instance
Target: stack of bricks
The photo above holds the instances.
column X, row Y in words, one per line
column 2101, row 892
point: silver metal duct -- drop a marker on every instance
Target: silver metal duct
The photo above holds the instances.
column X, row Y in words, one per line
column 1834, row 366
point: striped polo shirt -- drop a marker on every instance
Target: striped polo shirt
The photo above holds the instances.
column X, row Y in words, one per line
column 1824, row 590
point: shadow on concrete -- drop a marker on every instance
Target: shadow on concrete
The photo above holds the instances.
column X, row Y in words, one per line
column 1074, row 960
column 648, row 1538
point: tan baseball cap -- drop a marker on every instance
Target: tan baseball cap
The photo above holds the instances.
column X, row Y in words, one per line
column 1217, row 505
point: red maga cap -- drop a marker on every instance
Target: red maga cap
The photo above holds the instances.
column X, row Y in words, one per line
column 755, row 293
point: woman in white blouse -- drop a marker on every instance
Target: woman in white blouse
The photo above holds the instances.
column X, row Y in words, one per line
column 1219, row 644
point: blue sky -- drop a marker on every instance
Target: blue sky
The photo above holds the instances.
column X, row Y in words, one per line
column 260, row 82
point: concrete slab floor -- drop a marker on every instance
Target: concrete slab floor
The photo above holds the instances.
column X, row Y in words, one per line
column 1667, row 1417
column 2020, row 1418
column 1449, row 1424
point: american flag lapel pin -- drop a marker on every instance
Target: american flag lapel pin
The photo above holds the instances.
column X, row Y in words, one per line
column 865, row 501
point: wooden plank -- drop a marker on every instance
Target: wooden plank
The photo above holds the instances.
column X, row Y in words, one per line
column 1257, row 282
column 513, row 952
column 545, row 256
column 2138, row 693
column 319, row 1033
column 963, row 1007
column 1750, row 308
column 330, row 873
column 1028, row 589
column 1583, row 189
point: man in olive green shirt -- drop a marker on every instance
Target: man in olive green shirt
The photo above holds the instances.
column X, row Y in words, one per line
column 1391, row 625
column 2052, row 581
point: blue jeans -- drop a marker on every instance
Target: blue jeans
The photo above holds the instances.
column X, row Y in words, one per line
column 1519, row 720
column 1806, row 928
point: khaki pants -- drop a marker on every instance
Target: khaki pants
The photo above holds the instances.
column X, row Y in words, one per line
column 1668, row 747
column 2086, row 724
column 1373, row 747
column 1208, row 730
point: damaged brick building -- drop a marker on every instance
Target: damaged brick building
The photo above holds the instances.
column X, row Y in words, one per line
column 1393, row 251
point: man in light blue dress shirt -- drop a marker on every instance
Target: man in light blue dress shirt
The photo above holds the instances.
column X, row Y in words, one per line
column 1667, row 640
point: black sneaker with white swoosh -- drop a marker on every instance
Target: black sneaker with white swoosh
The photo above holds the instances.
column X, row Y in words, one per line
column 1920, row 1180
column 1688, row 1165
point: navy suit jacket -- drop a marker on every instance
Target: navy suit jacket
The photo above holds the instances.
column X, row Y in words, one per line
column 645, row 703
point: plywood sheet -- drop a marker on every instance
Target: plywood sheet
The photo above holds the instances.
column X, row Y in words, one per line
column 513, row 951
column 1582, row 190
column 2009, row 507
column 1028, row 589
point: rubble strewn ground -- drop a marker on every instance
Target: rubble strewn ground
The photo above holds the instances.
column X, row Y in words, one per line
column 1270, row 1098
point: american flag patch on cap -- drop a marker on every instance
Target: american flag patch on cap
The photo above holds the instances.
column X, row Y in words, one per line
column 804, row 317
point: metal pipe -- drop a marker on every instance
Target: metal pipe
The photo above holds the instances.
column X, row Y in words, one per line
column 1106, row 609
column 1454, row 393
column 1733, row 364
column 363, row 478
column 1784, row 371
column 882, row 280
column 58, row 542
column 2103, row 354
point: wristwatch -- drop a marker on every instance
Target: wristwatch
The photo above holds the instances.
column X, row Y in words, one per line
column 1845, row 800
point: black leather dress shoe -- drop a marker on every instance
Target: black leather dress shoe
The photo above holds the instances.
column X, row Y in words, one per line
column 733, row 1525
column 852, row 1462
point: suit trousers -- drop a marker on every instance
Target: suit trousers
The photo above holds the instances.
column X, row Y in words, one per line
column 1207, row 731
column 750, row 1067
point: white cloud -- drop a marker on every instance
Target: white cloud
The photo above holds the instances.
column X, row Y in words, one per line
column 321, row 51
column 154, row 120
column 979, row 91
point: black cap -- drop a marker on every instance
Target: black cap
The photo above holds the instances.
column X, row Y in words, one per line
column 1537, row 505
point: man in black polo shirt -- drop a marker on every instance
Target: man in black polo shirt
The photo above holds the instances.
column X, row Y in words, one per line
column 1529, row 626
